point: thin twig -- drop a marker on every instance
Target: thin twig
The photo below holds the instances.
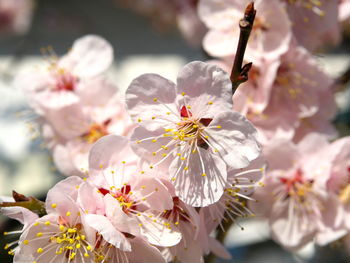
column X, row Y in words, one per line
column 239, row 74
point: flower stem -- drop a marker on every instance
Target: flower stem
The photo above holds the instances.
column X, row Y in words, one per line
column 239, row 73
column 31, row 203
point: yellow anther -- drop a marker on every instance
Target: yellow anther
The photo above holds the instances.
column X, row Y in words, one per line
column 168, row 113
column 142, row 172
column 68, row 213
column 78, row 245
column 153, row 117
column 186, row 168
column 173, row 179
column 47, row 223
column 218, row 126
column 151, row 166
column 154, row 140
column 77, row 186
column 204, row 174
column 86, row 255
column 139, row 120
column 88, row 248
column 101, row 166
column 140, row 224
column 72, row 256
column 138, row 142
column 40, row 250
column 183, row 93
column 39, row 234
column 155, row 99
column 72, row 230
column 26, row 242
column 176, row 223
column 54, row 205
column 123, row 162
column 154, row 153
column 36, row 224
column 62, row 228
column 164, row 154
column 82, row 237
column 210, row 103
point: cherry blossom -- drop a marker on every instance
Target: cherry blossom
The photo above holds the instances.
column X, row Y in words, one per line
column 15, row 16
column 344, row 10
column 76, row 127
column 76, row 77
column 270, row 36
column 295, row 198
column 315, row 23
column 132, row 202
column 191, row 128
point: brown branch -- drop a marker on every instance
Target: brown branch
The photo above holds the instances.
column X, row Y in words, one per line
column 31, row 203
column 239, row 74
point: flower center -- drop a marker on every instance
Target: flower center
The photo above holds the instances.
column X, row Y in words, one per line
column 96, row 131
column 65, row 81
column 70, row 241
column 123, row 196
column 189, row 129
column 177, row 214
column 297, row 187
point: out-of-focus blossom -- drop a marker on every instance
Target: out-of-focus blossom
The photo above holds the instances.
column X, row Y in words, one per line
column 287, row 98
column 344, row 10
column 191, row 128
column 339, row 183
column 15, row 16
column 270, row 36
column 315, row 23
column 74, row 78
column 295, row 198
column 77, row 127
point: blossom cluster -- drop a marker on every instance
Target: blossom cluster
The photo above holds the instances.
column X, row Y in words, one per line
column 152, row 173
column 149, row 176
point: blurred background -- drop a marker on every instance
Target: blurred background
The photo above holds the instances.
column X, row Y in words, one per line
column 139, row 48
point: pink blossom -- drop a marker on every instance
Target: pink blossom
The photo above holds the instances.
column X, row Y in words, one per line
column 60, row 235
column 270, row 37
column 71, row 79
column 300, row 91
column 339, row 183
column 344, row 10
column 132, row 202
column 295, row 198
column 77, row 127
column 315, row 23
column 191, row 128
column 15, row 16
